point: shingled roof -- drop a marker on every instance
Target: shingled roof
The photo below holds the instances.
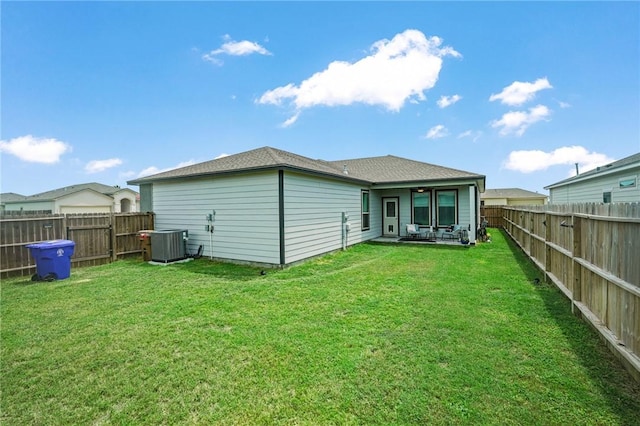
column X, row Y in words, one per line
column 374, row 170
column 257, row 159
column 392, row 169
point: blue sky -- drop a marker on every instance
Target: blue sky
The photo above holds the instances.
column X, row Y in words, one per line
column 109, row 92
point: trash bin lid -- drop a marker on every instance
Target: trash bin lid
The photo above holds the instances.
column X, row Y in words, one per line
column 51, row 244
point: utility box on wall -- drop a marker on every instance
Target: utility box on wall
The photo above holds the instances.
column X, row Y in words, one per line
column 169, row 245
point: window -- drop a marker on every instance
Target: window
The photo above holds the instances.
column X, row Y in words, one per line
column 365, row 210
column 627, row 183
column 421, row 209
column 446, row 202
column 606, row 197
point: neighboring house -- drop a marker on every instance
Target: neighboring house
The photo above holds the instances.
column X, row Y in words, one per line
column 7, row 197
column 82, row 198
column 274, row 207
column 617, row 182
column 511, row 197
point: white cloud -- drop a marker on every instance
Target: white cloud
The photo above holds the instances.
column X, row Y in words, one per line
column 221, row 156
column 446, row 101
column 34, row 149
column 437, row 132
column 520, row 92
column 564, row 104
column 289, row 121
column 474, row 135
column 536, row 160
column 518, row 121
column 235, row 48
column 396, row 71
column 96, row 166
column 154, row 170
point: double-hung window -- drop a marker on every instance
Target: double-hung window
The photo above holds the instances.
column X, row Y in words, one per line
column 446, row 207
column 365, row 210
column 421, row 208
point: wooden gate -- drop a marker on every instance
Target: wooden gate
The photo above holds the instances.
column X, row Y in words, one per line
column 92, row 235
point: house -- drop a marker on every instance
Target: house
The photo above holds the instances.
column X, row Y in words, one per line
column 273, row 207
column 616, row 182
column 83, row 198
column 8, row 197
column 511, row 197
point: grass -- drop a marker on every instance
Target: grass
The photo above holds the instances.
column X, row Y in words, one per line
column 379, row 334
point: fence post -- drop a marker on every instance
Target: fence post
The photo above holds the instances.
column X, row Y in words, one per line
column 576, row 293
column 113, row 237
column 547, row 238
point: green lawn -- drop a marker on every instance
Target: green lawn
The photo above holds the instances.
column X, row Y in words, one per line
column 379, row 334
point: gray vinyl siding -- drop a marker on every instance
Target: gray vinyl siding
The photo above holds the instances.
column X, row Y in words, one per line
column 591, row 190
column 246, row 220
column 313, row 215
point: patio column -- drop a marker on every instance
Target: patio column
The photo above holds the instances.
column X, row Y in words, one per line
column 473, row 214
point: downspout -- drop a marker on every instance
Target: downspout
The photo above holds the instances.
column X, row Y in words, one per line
column 281, row 216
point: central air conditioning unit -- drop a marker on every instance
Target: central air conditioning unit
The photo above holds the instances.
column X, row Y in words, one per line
column 169, row 245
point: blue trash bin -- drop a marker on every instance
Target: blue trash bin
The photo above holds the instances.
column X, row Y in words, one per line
column 53, row 259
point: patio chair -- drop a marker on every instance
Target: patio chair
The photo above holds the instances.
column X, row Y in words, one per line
column 413, row 230
column 453, row 232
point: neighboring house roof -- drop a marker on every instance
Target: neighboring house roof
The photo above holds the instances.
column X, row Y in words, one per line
column 387, row 169
column 67, row 190
column 7, row 197
column 510, row 193
column 61, row 192
column 627, row 162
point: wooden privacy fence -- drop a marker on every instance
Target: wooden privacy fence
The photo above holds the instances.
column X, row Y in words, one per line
column 493, row 215
column 99, row 238
column 591, row 252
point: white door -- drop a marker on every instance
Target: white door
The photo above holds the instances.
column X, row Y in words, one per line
column 390, row 220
